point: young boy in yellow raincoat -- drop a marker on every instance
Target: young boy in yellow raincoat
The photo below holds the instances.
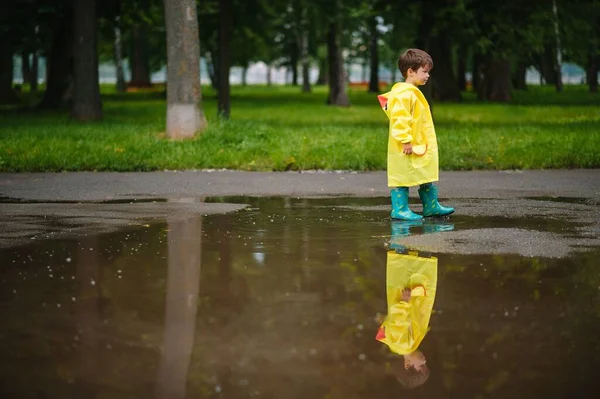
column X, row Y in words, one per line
column 412, row 158
column 411, row 283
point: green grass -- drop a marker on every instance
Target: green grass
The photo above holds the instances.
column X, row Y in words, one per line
column 279, row 128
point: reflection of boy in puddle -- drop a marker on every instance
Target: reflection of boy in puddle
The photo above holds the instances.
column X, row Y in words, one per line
column 411, row 285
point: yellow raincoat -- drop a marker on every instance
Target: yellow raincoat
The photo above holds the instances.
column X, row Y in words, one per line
column 410, row 122
column 407, row 323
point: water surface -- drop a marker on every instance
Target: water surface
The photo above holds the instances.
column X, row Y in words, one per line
column 283, row 300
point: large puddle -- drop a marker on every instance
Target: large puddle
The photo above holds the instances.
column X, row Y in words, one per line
column 284, row 300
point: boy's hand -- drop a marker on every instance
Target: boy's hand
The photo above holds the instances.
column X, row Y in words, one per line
column 406, row 294
column 407, row 148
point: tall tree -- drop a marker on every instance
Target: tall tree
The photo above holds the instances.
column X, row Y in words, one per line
column 15, row 30
column 438, row 19
column 461, row 68
column 337, row 75
column 185, row 116
column 374, row 55
column 304, row 50
column 507, row 33
column 59, row 56
column 7, row 94
column 399, row 18
column 581, row 18
column 558, row 48
column 138, row 59
column 139, row 18
column 118, row 54
column 87, row 104
column 225, row 28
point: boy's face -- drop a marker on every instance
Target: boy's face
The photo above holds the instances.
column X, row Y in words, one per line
column 415, row 360
column 418, row 77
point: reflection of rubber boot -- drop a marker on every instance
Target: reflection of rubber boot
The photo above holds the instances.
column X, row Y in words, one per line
column 437, row 227
column 401, row 228
column 400, row 210
column 429, row 198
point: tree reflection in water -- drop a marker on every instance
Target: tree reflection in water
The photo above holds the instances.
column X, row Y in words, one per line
column 185, row 239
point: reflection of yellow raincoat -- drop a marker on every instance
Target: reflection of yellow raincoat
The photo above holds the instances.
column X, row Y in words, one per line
column 407, row 323
column 410, row 122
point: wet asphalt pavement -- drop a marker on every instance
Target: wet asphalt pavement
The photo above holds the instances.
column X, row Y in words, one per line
column 34, row 206
column 101, row 186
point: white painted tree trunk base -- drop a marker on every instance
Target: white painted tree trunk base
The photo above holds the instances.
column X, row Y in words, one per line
column 184, row 121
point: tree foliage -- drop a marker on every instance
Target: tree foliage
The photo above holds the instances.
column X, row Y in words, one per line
column 496, row 41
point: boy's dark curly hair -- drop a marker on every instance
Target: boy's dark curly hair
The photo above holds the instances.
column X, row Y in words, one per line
column 410, row 378
column 414, row 58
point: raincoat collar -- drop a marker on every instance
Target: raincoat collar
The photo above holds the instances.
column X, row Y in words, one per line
column 401, row 87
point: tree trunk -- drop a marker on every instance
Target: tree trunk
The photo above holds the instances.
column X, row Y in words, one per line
column 323, row 78
column 363, row 69
column 185, row 116
column 476, row 71
column 591, row 75
column 87, row 104
column 305, row 63
column 118, row 53
column 558, row 58
column 519, row 77
column 7, row 94
column 213, row 70
column 225, row 27
column 461, row 70
column 445, row 87
column 423, row 42
column 547, row 65
column 33, row 77
column 294, row 65
column 25, row 67
column 496, row 84
column 140, row 68
column 374, row 57
column 59, row 65
column 269, row 76
column 245, row 75
column 183, row 282
column 337, row 81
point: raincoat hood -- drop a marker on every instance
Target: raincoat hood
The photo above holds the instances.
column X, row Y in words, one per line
column 397, row 89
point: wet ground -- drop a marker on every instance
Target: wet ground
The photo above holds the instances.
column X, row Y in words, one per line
column 283, row 298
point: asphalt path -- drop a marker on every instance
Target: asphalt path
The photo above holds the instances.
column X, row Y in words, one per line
column 99, row 186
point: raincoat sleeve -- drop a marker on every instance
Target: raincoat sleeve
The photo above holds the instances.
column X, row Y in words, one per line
column 401, row 118
column 399, row 328
column 398, row 317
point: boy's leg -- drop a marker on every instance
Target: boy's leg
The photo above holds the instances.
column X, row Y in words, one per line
column 400, row 209
column 431, row 207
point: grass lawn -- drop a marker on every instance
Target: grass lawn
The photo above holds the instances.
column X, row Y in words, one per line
column 279, row 128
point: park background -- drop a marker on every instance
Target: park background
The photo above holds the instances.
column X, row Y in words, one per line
column 514, row 84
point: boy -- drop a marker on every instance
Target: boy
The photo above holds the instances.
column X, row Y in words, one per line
column 411, row 284
column 412, row 145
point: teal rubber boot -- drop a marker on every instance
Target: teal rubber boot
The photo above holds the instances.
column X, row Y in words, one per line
column 433, row 227
column 400, row 210
column 401, row 229
column 429, row 197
